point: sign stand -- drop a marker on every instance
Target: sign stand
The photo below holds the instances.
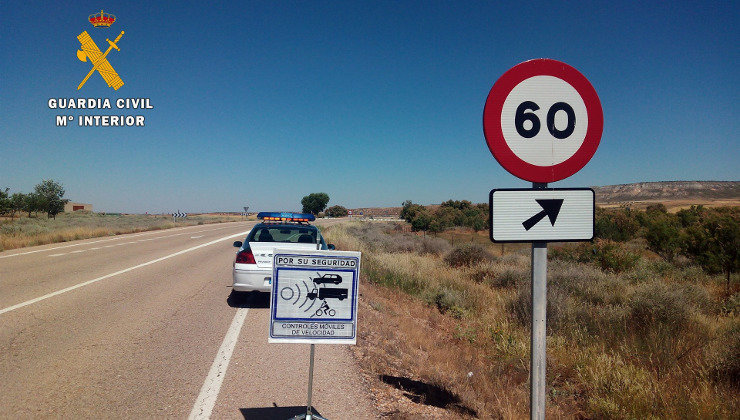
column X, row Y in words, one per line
column 309, row 415
column 538, row 354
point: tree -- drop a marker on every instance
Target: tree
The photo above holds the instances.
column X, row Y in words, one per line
column 714, row 242
column 315, row 203
column 617, row 225
column 409, row 209
column 663, row 235
column 455, row 204
column 33, row 203
column 17, row 203
column 5, row 204
column 51, row 193
column 422, row 220
column 337, row 211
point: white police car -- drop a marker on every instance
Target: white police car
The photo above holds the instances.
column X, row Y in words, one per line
column 278, row 231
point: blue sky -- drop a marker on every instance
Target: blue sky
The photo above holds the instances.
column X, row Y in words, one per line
column 374, row 103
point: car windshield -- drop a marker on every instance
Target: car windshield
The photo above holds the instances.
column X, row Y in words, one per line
column 286, row 234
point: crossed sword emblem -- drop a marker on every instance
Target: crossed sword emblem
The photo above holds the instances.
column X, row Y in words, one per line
column 98, row 59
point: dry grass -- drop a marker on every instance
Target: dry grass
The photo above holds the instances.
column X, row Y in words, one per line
column 652, row 341
column 31, row 231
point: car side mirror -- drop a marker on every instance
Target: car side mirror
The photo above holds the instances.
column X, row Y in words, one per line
column 237, row 244
column 331, row 247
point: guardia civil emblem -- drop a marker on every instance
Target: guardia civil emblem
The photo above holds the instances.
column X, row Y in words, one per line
column 99, row 59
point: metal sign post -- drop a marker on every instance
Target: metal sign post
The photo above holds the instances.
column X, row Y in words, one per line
column 309, row 415
column 538, row 347
column 538, row 354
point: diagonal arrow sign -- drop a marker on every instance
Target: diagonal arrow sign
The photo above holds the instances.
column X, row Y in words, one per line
column 550, row 208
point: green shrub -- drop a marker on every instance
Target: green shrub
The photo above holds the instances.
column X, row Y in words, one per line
column 656, row 306
column 521, row 306
column 448, row 301
column 467, row 255
column 605, row 254
column 375, row 237
column 337, row 211
column 663, row 234
column 615, row 388
column 408, row 284
column 725, row 357
column 731, row 304
column 509, row 278
column 714, row 242
column 618, row 225
column 448, row 214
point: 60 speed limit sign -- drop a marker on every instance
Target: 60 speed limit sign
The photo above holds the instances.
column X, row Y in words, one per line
column 543, row 120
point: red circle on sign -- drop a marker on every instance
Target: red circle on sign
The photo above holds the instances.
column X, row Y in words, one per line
column 494, row 132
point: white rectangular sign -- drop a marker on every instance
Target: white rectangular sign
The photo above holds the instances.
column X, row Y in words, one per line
column 547, row 215
column 314, row 297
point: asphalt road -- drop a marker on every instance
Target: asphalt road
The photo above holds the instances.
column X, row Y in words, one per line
column 144, row 325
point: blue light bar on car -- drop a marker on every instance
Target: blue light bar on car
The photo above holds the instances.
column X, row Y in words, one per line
column 286, row 217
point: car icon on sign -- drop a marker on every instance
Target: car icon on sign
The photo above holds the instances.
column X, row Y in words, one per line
column 328, row 278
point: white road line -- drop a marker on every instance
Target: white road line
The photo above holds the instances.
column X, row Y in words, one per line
column 209, row 392
column 124, row 236
column 83, row 284
column 126, row 243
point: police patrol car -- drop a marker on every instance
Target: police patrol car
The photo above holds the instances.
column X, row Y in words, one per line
column 278, row 231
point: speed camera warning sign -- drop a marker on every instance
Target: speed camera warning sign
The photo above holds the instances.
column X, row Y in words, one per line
column 314, row 297
column 543, row 120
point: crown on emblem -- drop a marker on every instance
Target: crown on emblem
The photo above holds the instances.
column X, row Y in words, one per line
column 102, row 20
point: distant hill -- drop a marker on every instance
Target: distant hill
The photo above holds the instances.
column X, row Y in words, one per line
column 683, row 191
column 675, row 194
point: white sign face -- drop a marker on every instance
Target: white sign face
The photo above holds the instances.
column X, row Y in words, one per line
column 314, row 297
column 549, row 215
column 525, row 126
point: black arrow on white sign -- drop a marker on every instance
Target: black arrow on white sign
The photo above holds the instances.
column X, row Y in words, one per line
column 550, row 208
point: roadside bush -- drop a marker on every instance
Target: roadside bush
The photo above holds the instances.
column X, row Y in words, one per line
column 587, row 283
column 375, row 273
column 656, row 306
column 467, row 255
column 713, row 242
column 449, row 214
column 557, row 301
column 448, row 300
column 663, row 234
column 724, row 357
column 499, row 276
column 615, row 388
column 509, row 278
column 375, row 237
column 433, row 246
column 605, row 254
column 731, row 304
column 663, row 328
column 337, row 211
column 619, row 225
